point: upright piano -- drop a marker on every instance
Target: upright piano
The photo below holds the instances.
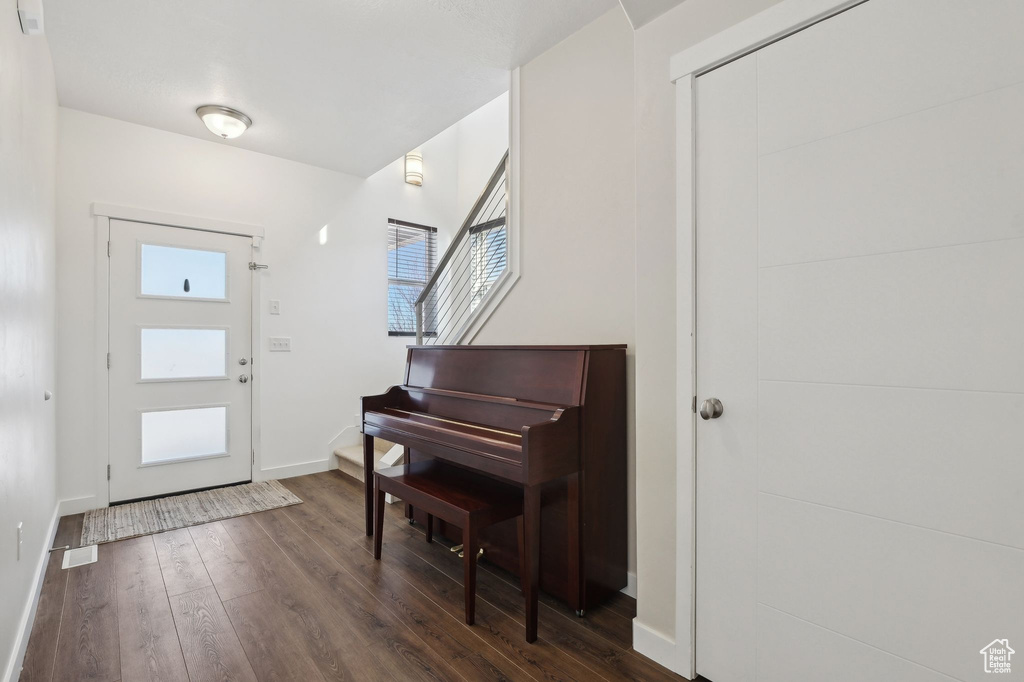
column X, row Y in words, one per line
column 551, row 419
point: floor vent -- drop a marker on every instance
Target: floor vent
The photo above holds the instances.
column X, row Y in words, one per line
column 79, row 557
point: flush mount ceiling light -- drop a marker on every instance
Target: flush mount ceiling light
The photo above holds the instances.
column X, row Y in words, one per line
column 224, row 121
column 414, row 167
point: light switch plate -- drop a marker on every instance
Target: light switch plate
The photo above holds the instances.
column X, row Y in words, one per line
column 280, row 344
column 275, row 307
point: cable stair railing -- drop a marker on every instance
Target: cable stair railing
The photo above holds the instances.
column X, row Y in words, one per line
column 471, row 267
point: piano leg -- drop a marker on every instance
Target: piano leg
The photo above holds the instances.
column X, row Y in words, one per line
column 378, row 498
column 368, row 481
column 573, row 544
column 522, row 555
column 531, row 550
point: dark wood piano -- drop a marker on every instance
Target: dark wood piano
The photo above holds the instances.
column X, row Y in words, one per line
column 551, row 419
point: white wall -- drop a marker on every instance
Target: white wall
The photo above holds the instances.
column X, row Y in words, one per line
column 577, row 275
column 28, row 134
column 483, row 140
column 656, row 342
column 333, row 297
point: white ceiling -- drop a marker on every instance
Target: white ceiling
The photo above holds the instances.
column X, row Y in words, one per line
column 349, row 85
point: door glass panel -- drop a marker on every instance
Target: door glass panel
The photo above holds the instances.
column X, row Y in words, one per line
column 170, row 435
column 174, row 272
column 183, row 353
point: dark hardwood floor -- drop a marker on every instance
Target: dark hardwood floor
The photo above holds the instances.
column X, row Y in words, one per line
column 294, row 594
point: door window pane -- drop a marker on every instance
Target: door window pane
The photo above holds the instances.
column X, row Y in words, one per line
column 169, row 435
column 183, row 353
column 182, row 273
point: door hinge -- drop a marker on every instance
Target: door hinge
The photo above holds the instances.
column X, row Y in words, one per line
column 257, row 266
column 108, row 249
column 108, row 472
column 108, row 360
column 694, row 406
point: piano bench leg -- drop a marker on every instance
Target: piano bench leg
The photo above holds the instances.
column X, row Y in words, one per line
column 430, row 527
column 469, row 543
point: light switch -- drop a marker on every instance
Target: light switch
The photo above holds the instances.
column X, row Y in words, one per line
column 280, row 344
column 275, row 307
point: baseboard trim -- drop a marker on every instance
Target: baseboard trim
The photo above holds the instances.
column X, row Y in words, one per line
column 300, row 469
column 28, row 616
column 77, row 505
column 661, row 649
column 630, row 589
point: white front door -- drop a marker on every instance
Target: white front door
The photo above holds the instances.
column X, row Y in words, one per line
column 180, row 357
column 860, row 316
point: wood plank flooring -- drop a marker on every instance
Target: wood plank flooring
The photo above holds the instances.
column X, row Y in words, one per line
column 294, row 594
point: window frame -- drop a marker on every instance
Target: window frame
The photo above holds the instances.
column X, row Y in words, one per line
column 431, row 263
column 482, row 266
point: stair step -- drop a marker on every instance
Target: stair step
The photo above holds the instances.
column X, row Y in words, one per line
column 354, row 454
column 349, row 467
column 350, row 459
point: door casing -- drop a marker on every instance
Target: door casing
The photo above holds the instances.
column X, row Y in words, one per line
column 102, row 215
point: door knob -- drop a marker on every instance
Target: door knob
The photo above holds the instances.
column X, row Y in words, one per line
column 244, row 378
column 243, row 361
column 711, row 409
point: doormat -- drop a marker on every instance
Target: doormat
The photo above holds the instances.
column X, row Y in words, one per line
column 181, row 511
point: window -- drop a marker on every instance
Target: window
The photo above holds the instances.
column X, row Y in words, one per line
column 173, row 272
column 180, row 353
column 194, row 433
column 489, row 256
column 412, row 256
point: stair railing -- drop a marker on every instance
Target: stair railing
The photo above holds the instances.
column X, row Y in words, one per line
column 473, row 263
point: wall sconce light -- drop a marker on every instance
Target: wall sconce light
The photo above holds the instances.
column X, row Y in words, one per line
column 414, row 167
column 323, row 235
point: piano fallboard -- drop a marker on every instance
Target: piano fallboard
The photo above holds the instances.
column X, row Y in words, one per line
column 498, row 452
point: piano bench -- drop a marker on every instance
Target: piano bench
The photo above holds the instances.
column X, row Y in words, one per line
column 459, row 497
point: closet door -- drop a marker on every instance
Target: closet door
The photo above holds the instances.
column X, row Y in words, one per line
column 860, row 349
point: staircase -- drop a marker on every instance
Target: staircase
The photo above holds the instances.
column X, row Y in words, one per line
column 350, row 457
column 470, row 271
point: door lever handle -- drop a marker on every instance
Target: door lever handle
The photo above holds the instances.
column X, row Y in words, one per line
column 711, row 409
